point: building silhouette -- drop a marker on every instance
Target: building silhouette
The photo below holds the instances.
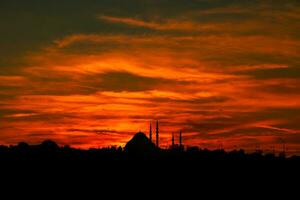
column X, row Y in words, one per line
column 140, row 144
column 157, row 134
column 150, row 132
column 173, row 141
column 180, row 138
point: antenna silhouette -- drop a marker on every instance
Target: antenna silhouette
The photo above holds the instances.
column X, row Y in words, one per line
column 173, row 141
column 150, row 132
column 283, row 147
column 157, row 132
column 180, row 140
column 220, row 145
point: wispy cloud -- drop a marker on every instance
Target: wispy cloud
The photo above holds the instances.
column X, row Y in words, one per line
column 162, row 25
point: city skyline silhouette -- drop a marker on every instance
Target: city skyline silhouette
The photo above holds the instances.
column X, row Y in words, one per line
column 91, row 74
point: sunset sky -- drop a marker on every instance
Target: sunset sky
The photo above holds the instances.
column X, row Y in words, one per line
column 91, row 73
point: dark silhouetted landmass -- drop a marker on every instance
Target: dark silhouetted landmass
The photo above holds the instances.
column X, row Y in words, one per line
column 142, row 162
column 138, row 149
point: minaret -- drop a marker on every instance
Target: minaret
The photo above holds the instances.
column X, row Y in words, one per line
column 180, row 139
column 150, row 132
column 173, row 142
column 157, row 142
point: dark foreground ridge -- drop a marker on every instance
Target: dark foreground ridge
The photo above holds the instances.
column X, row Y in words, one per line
column 138, row 149
column 141, row 161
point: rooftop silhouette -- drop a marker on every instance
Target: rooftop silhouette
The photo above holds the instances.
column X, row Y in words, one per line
column 140, row 144
column 138, row 148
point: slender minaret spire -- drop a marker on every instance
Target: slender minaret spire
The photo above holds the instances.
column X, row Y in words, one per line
column 150, row 132
column 173, row 141
column 157, row 142
column 180, row 139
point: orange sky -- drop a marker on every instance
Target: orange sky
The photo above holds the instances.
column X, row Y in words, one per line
column 223, row 72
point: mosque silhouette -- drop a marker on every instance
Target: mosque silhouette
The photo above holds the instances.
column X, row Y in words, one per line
column 141, row 144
